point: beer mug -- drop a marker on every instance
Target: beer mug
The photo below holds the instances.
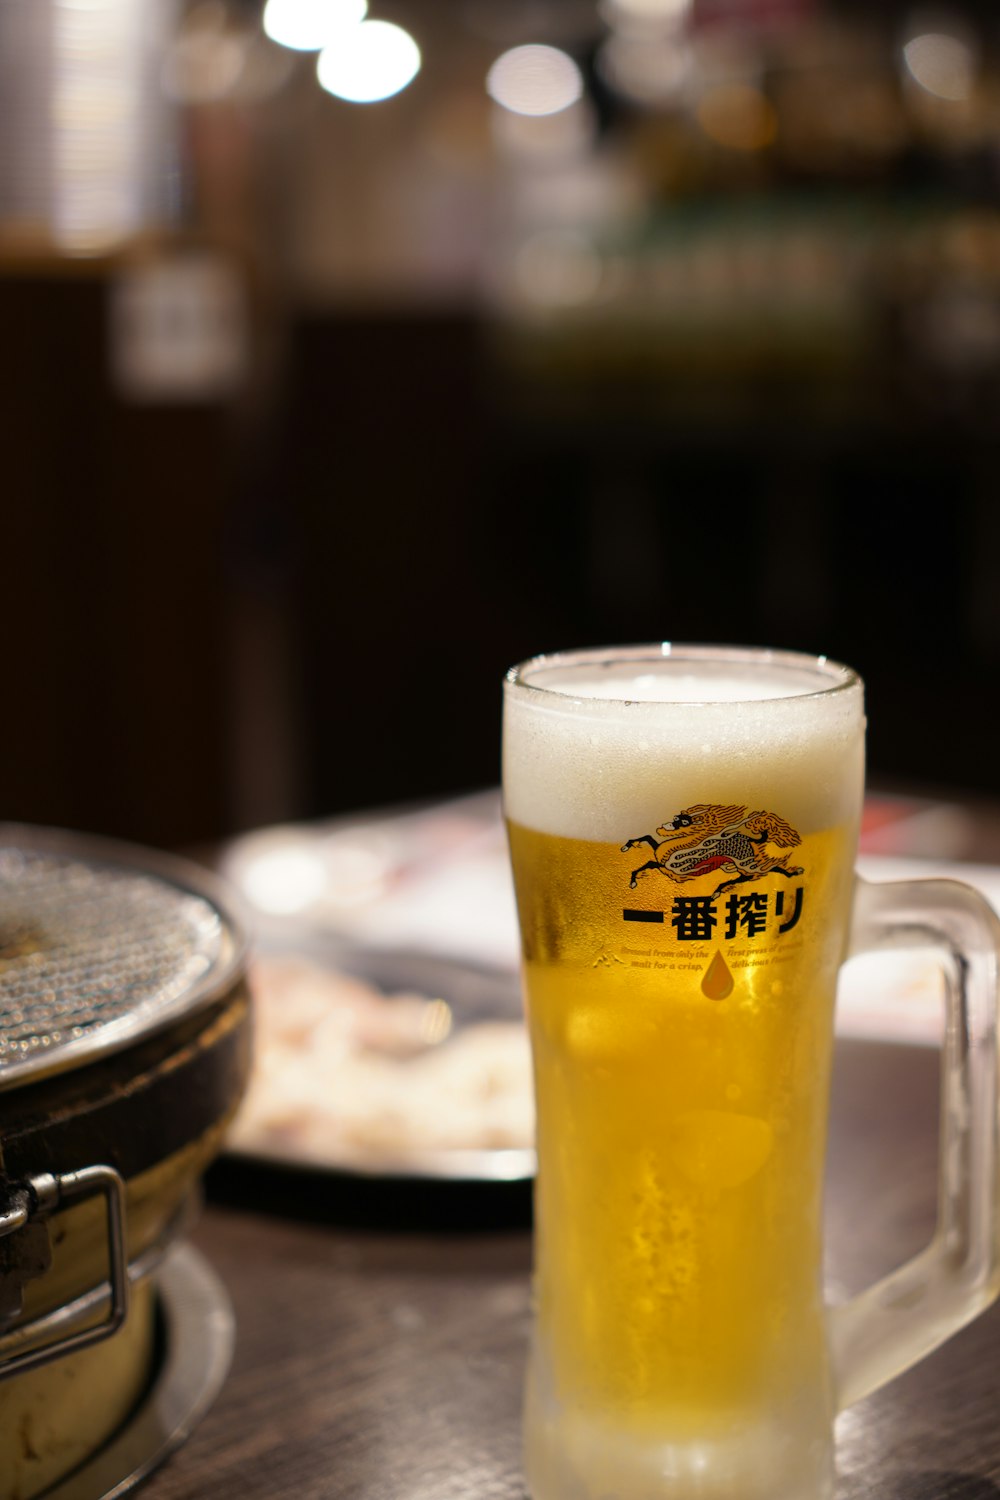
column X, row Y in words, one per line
column 683, row 823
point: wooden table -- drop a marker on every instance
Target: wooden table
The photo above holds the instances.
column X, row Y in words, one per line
column 385, row 1364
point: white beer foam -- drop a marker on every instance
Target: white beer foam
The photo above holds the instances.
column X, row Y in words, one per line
column 675, row 682
column 608, row 753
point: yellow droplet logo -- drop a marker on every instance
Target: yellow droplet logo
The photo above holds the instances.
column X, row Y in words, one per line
column 718, row 981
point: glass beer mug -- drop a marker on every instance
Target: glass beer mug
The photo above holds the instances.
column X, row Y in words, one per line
column 683, row 823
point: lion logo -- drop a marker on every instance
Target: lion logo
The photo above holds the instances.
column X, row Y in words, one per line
column 709, row 837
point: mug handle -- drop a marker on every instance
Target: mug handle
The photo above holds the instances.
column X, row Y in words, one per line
column 890, row 1326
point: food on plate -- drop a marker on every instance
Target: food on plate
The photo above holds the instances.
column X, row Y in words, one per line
column 345, row 1074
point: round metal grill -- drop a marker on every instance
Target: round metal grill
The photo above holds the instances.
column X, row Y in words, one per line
column 93, row 954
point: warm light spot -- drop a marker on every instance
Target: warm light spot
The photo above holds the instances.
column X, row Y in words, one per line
column 369, row 62
column 943, row 65
column 737, row 116
column 436, row 1022
column 308, row 25
column 535, row 80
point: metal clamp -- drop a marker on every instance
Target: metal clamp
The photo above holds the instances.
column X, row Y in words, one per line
column 38, row 1197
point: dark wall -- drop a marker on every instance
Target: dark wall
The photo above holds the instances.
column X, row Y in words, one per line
column 408, row 521
column 443, row 528
column 111, row 606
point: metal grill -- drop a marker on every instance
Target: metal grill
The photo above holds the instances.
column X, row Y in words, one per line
column 91, row 955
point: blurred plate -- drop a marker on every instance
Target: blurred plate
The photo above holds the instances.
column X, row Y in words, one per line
column 419, row 901
column 432, row 879
column 387, row 1064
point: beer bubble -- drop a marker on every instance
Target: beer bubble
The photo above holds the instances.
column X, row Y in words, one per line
column 716, row 1149
column 594, row 1033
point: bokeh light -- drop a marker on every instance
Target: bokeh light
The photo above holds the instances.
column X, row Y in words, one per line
column 648, row 70
column 368, row 62
column 942, row 65
column 101, row 135
column 534, row 80
column 648, row 13
column 738, row 116
column 308, row 25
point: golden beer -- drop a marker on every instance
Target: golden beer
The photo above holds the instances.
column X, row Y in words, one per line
column 682, row 839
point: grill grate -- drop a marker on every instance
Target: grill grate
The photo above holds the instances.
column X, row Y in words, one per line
column 92, row 954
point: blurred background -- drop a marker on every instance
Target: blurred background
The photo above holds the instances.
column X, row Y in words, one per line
column 350, row 355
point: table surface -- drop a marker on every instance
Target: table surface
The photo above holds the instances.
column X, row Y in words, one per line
column 387, row 1362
